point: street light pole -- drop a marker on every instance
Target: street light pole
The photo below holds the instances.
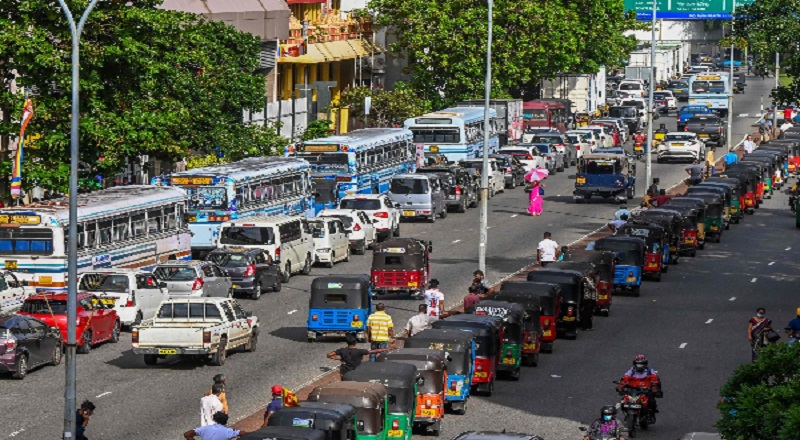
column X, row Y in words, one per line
column 486, row 134
column 649, row 148
column 70, row 401
column 775, row 99
column 732, row 82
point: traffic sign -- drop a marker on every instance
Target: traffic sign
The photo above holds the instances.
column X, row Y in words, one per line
column 684, row 9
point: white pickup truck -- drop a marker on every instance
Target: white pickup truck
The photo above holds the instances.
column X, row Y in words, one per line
column 196, row 327
column 13, row 292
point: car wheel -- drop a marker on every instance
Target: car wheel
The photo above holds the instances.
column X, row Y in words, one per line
column 21, row 366
column 307, row 266
column 444, row 212
column 432, row 218
column 253, row 342
column 329, row 265
column 287, row 273
column 219, row 357
column 491, row 192
column 86, row 346
column 257, row 291
column 396, row 230
column 230, row 293
column 462, row 208
column 115, row 332
column 277, row 286
column 347, row 254
column 513, row 183
column 150, row 359
column 58, row 352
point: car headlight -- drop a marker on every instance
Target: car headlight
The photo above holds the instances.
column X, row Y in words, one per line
column 324, row 250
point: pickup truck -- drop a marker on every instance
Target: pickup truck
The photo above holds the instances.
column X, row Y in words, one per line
column 204, row 328
column 687, row 111
column 709, row 128
column 13, row 293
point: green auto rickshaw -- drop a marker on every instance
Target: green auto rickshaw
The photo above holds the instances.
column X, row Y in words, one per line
column 370, row 401
column 400, row 381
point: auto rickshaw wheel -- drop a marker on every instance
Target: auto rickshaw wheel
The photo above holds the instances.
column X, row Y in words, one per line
column 635, row 291
column 150, row 359
column 436, row 428
column 459, row 408
column 657, row 277
column 515, row 374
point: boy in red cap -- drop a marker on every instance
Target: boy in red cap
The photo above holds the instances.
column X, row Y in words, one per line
column 275, row 404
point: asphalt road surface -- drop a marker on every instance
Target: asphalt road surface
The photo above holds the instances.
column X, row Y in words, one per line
column 567, row 389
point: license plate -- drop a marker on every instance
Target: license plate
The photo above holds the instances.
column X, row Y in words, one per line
column 633, row 406
column 11, row 264
column 356, row 324
column 427, row 413
column 107, row 301
column 638, row 147
column 167, row 351
column 580, row 180
column 652, row 265
column 703, row 135
column 409, row 213
column 677, row 144
column 481, row 374
column 569, row 318
column 547, row 333
column 453, row 392
column 509, row 361
column 689, row 240
column 677, row 90
column 602, row 296
column 531, row 346
column 192, row 218
column 235, row 286
column 630, row 279
column 395, row 433
column 413, row 284
column 714, row 228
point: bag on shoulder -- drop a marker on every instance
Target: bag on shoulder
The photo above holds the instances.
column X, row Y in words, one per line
column 541, row 191
column 773, row 336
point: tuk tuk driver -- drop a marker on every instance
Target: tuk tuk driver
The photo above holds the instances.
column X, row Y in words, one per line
column 608, row 423
column 434, row 299
column 642, row 376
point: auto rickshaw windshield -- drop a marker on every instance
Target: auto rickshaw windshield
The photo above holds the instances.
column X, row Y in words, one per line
column 338, row 299
column 432, row 382
column 600, row 167
column 387, row 261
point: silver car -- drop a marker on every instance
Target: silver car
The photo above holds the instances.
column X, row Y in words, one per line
column 419, row 196
column 195, row 279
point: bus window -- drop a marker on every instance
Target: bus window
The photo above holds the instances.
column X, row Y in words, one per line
column 121, row 229
column 154, row 221
column 105, row 231
column 26, row 241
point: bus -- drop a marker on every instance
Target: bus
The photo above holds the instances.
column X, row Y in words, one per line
column 360, row 162
column 542, row 115
column 455, row 132
column 133, row 226
column 256, row 185
column 711, row 90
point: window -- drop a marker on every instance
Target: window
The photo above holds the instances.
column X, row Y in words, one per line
column 37, row 327
column 42, row 307
column 165, row 311
column 138, row 225
column 170, row 220
column 26, row 241
column 196, row 310
column 409, row 186
column 331, row 227
column 366, row 204
column 175, row 273
column 290, row 231
column 228, row 312
column 121, row 229
column 217, row 272
column 98, row 282
column 238, row 311
column 247, row 235
column 104, row 228
column 212, row 311
column 154, row 221
column 180, row 310
column 81, row 236
column 436, row 135
column 208, row 271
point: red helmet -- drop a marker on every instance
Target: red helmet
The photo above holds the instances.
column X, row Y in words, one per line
column 640, row 363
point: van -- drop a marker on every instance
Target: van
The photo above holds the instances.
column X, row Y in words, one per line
column 419, row 196
column 286, row 238
column 632, row 87
column 330, row 241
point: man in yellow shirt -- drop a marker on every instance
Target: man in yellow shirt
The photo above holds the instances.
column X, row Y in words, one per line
column 380, row 329
column 710, row 163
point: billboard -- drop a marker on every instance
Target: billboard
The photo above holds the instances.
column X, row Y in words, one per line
column 684, row 9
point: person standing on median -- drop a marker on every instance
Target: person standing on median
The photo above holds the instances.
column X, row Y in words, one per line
column 472, row 298
column 711, row 163
column 210, row 405
column 419, row 322
column 380, row 329
column 434, row 298
column 547, row 251
column 223, row 396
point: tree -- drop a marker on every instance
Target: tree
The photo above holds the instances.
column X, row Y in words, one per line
column 153, row 82
column 317, row 129
column 762, row 400
column 389, row 108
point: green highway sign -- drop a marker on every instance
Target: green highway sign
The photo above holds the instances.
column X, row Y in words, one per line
column 684, row 9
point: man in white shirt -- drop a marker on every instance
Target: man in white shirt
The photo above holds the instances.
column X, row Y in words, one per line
column 210, row 405
column 434, row 299
column 547, row 251
column 749, row 145
column 419, row 322
column 786, row 125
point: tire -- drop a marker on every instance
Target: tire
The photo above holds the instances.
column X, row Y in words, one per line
column 444, row 212
column 462, row 208
column 635, row 292
column 21, row 366
column 489, row 389
column 287, row 273
column 347, row 251
column 253, row 342
column 150, row 359
column 436, row 428
column 218, row 358
column 230, row 293
column 630, row 423
column 331, row 263
column 513, row 183
column 277, row 286
column 86, row 347
column 58, row 353
column 396, row 230
column 307, row 266
column 491, row 193
column 115, row 332
column 432, row 219
column 631, row 191
column 257, row 291
column 658, row 277
column 462, row 408
column 515, row 374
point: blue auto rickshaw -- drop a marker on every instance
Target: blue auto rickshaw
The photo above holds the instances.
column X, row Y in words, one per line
column 339, row 304
column 629, row 255
column 460, row 349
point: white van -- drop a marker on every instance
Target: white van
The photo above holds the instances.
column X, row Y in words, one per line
column 331, row 244
column 136, row 294
column 633, row 87
column 286, row 238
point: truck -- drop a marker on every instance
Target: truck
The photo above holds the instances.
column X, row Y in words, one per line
column 585, row 91
column 638, row 72
column 509, row 114
column 204, row 328
column 687, row 111
column 639, row 63
column 709, row 128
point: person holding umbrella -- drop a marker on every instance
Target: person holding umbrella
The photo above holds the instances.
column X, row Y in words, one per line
column 535, row 177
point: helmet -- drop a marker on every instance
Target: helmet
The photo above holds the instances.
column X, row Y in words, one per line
column 608, row 412
column 640, row 363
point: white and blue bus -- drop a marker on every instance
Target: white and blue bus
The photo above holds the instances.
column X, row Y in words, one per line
column 360, row 162
column 455, row 132
column 124, row 227
column 256, row 185
column 710, row 89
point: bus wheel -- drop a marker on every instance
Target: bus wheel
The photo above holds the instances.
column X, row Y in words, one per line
column 286, row 274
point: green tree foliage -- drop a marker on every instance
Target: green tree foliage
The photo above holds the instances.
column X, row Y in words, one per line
column 762, row 400
column 446, row 42
column 389, row 108
column 317, row 129
column 153, row 82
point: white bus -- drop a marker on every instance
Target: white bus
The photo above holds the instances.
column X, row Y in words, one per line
column 456, row 132
column 710, row 89
column 125, row 226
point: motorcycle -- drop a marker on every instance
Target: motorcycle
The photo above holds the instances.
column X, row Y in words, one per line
column 634, row 405
column 638, row 150
column 604, row 436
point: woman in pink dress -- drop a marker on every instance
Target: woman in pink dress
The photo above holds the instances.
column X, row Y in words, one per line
column 535, row 205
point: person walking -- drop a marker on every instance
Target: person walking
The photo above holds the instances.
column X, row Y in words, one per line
column 547, row 251
column 352, row 356
column 380, row 329
column 793, row 328
column 472, row 298
column 434, row 298
column 275, row 404
column 215, row 431
column 223, row 396
column 210, row 404
column 536, row 199
column 419, row 322
column 82, row 419
column 755, row 331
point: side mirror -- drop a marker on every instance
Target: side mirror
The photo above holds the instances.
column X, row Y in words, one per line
column 397, row 205
column 162, row 284
column 248, row 314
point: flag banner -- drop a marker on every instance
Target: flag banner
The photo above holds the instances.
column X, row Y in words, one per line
column 289, row 398
column 16, row 174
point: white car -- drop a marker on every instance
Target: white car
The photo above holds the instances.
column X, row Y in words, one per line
column 331, row 244
column 581, row 144
column 606, row 140
column 621, row 126
column 670, row 103
column 378, row 206
column 136, row 294
column 527, row 155
column 633, row 87
column 13, row 293
column 681, row 145
column 590, row 136
column 497, row 179
column 360, row 228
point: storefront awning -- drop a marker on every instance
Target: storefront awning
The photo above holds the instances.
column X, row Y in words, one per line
column 341, row 50
column 313, row 55
column 358, row 47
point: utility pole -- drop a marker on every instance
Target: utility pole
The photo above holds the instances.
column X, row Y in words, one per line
column 732, row 82
column 486, row 135
column 649, row 149
column 70, row 401
column 775, row 100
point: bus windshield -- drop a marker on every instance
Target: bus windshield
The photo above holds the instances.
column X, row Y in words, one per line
column 534, row 115
column 207, row 197
column 247, row 235
column 448, row 135
column 327, row 162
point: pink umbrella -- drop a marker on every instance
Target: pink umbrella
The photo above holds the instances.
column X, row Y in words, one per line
column 536, row 175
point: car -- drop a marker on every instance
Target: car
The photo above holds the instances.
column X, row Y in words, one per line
column 27, row 343
column 378, row 206
column 592, row 138
column 528, row 156
column 97, row 320
column 496, row 178
column 709, row 128
column 561, row 143
column 688, row 111
column 251, row 270
column 513, row 170
column 555, row 159
column 606, row 138
column 633, row 87
column 665, row 101
column 679, row 88
column 331, row 244
column 620, row 124
column 580, row 142
column 193, row 278
column 681, row 145
column 419, row 196
column 135, row 294
column 628, row 114
column 13, row 292
column 462, row 186
column 359, row 226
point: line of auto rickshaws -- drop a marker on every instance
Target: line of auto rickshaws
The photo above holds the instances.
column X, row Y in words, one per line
column 412, row 388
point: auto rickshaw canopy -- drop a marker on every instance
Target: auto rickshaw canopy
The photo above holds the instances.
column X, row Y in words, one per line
column 602, row 260
column 285, row 433
column 649, row 232
column 400, row 253
column 457, row 345
column 571, row 281
column 430, row 363
column 326, row 416
column 513, row 316
column 486, row 329
column 629, row 250
column 399, row 379
column 368, row 398
column 340, row 292
column 714, row 203
column 549, row 294
column 736, row 185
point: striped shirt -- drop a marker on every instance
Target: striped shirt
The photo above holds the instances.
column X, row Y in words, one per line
column 379, row 324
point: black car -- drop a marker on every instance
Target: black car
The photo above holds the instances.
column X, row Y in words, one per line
column 513, row 170
column 463, row 188
column 251, row 270
column 26, row 343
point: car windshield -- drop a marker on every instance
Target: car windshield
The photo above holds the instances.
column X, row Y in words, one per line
column 409, row 186
column 630, row 86
column 548, row 138
column 622, row 112
column 637, row 104
column 659, row 95
column 175, row 273
column 98, row 282
column 694, row 110
column 42, row 307
column 247, row 235
column 678, row 137
column 544, row 149
column 347, row 221
column 575, row 138
column 362, row 204
column 229, row 260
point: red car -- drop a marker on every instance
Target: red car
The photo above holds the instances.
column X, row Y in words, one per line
column 97, row 322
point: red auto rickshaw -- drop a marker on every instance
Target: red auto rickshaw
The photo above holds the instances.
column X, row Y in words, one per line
column 401, row 265
column 550, row 298
column 604, row 265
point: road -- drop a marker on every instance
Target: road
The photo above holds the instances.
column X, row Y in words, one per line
column 568, row 388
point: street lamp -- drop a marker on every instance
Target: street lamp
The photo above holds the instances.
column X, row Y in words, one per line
column 70, row 406
column 732, row 83
column 649, row 148
column 486, row 134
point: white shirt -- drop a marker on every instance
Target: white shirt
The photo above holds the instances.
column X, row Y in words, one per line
column 786, row 126
column 548, row 248
column 418, row 323
column 433, row 297
column 749, row 146
column 209, row 405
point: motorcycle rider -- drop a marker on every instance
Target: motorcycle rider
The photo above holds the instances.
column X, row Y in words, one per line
column 642, row 376
column 640, row 138
column 608, row 423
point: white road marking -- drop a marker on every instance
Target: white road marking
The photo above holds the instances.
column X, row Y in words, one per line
column 292, row 312
column 709, row 321
column 683, row 345
column 101, row 395
column 733, row 298
column 770, row 264
column 514, row 215
column 744, row 115
column 753, row 280
column 558, row 195
column 456, row 241
column 488, row 227
column 788, row 248
column 555, row 376
column 16, row 433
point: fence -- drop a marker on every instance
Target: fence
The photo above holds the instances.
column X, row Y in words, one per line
column 291, row 113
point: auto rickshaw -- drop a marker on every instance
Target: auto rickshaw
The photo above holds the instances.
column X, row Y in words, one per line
column 604, row 265
column 717, row 218
column 700, row 206
column 590, row 293
column 488, row 340
column 671, row 221
column 550, row 299
column 629, row 252
column 792, row 149
column 767, row 171
column 285, row 433
column 582, row 119
column 460, row 348
column 337, row 420
column 656, row 254
column 578, row 291
column 747, row 180
column 513, row 333
column 688, row 244
column 729, row 192
column 401, row 265
column 339, row 304
column 432, row 368
column 531, row 323
column 773, row 158
column 369, row 400
column 757, row 171
column 400, row 381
